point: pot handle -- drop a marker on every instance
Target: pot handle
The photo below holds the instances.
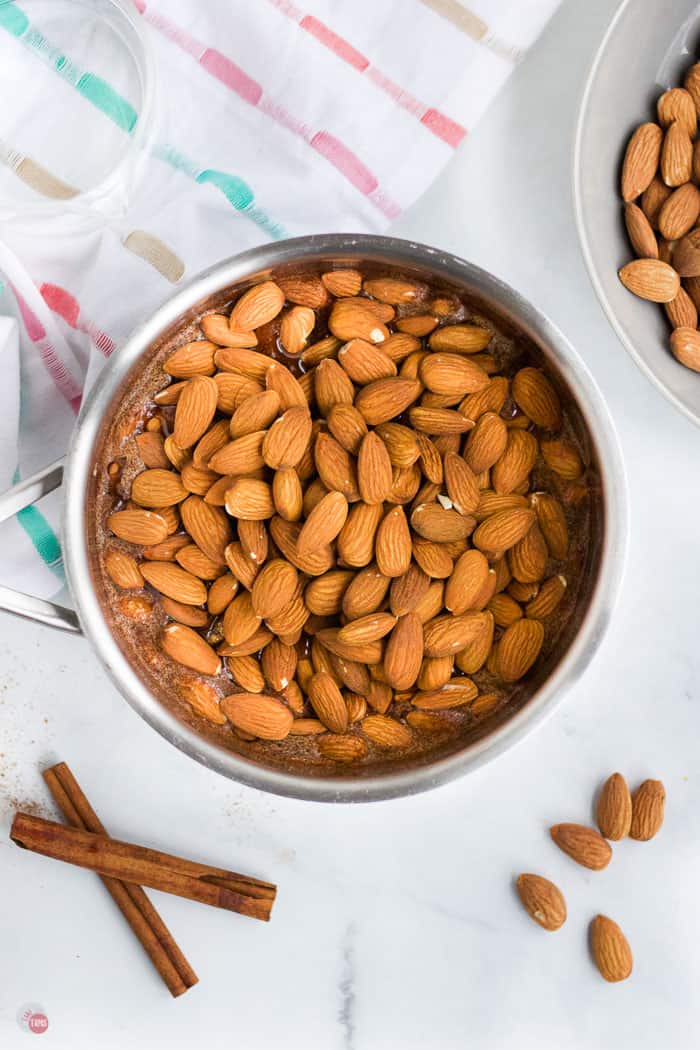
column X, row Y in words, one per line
column 12, row 501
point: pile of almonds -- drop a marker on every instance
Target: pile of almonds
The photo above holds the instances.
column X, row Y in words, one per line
column 334, row 508
column 660, row 177
column 618, row 815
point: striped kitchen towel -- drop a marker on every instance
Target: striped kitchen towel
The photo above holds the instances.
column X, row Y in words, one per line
column 276, row 119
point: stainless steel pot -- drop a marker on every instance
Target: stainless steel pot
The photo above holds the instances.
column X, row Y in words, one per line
column 604, row 570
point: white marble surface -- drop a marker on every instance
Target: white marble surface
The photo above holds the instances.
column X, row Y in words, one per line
column 396, row 924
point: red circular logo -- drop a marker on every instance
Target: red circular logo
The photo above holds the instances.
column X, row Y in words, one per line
column 38, row 1023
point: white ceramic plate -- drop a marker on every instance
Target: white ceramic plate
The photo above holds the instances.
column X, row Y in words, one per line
column 647, row 48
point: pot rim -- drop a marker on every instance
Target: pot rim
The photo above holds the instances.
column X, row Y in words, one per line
column 591, row 629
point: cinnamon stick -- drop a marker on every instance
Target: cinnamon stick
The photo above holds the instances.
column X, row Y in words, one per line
column 147, row 867
column 155, row 937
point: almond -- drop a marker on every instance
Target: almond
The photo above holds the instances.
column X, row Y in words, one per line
column 285, row 534
column 192, row 359
column 374, row 473
column 204, row 700
column 686, row 256
column 367, row 653
column 287, row 494
column 289, row 621
column 501, row 531
column 194, row 560
column 677, row 104
column 274, row 587
column 538, row 399
column 232, row 389
column 486, row 443
column 518, row 649
column 324, row 595
column 393, row 290
column 407, row 590
column 434, row 522
column 138, row 526
column 255, row 414
column 447, row 634
column 401, row 443
column 400, row 346
column 433, row 559
column 122, row 569
column 323, row 523
column 679, row 213
column 417, row 324
column 262, row 716
column 189, row 615
column 461, row 485
column 640, row 233
column 175, row 582
column 157, row 488
column 528, row 558
column 295, row 328
column 382, row 400
column 215, row 438
column 351, row 320
column 682, row 311
column 454, row 693
column 583, row 844
column 216, row 328
column 279, row 664
column 552, row 523
column 246, row 673
column 367, row 628
column 382, row 312
column 167, row 549
column 641, row 160
column 653, row 197
column 466, row 582
column 136, row 607
column 194, row 410
column 241, row 456
column 547, row 599
column 614, row 810
column 386, row 732
column 676, row 155
column 439, row 421
column 562, row 457
column 342, row 283
column 405, row 485
column 451, row 374
column 287, row 439
column 365, row 593
column 357, row 536
column 685, row 345
column 460, row 339
column 336, row 467
column 208, row 526
column 648, row 804
column 179, row 457
column 542, row 900
column 364, row 362
column 256, row 307
column 250, row 499
column 505, row 610
column 253, row 644
column 610, row 950
column 286, row 386
column 221, row 592
column 240, row 621
column 332, row 386
column 347, row 427
column 151, row 451
column 473, row 656
column 328, row 703
column 341, row 748
column 185, row 646
column 393, row 543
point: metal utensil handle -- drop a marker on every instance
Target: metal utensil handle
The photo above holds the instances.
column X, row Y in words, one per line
column 12, row 501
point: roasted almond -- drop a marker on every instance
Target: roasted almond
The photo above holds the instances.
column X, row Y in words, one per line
column 518, row 649
column 138, row 526
column 262, row 716
column 542, row 900
column 185, row 646
column 583, row 844
column 328, row 703
column 610, row 949
column 641, row 160
column 614, row 809
column 648, row 804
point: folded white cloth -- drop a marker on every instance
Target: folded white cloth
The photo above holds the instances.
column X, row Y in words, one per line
column 275, row 119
